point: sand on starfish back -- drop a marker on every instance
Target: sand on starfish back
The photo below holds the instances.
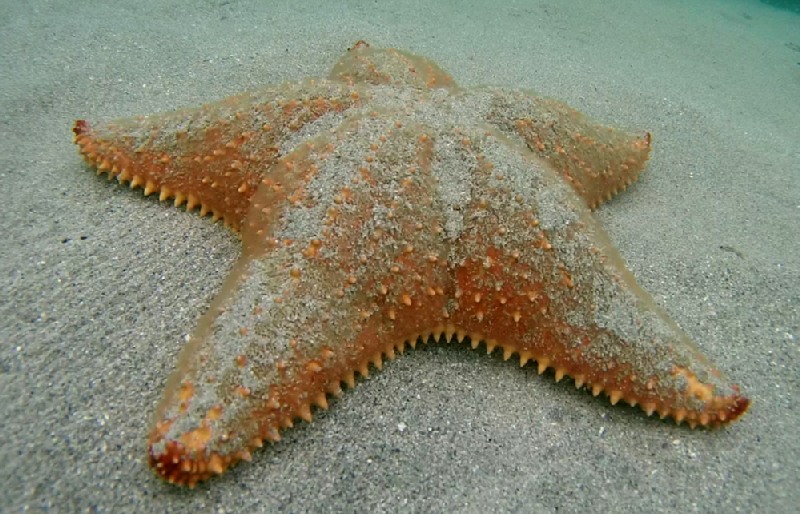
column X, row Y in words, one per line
column 384, row 206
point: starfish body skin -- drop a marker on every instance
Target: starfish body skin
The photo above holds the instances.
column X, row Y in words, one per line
column 383, row 206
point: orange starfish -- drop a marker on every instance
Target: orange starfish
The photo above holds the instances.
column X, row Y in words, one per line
column 383, row 206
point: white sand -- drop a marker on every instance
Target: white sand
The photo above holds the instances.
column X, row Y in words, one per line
column 98, row 286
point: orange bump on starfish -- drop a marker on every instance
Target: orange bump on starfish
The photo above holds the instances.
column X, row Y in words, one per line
column 383, row 205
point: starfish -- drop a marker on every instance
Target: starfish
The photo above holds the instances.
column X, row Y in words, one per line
column 383, row 206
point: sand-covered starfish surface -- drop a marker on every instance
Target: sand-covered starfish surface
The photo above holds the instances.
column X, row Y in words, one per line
column 382, row 206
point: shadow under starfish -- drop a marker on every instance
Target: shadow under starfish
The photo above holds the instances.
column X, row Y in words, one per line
column 385, row 205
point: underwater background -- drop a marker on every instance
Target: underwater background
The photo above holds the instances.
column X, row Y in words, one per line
column 100, row 286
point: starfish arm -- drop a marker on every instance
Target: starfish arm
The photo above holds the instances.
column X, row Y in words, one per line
column 537, row 276
column 598, row 161
column 365, row 64
column 212, row 157
column 341, row 267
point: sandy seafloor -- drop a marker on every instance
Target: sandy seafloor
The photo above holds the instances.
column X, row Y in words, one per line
column 99, row 286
